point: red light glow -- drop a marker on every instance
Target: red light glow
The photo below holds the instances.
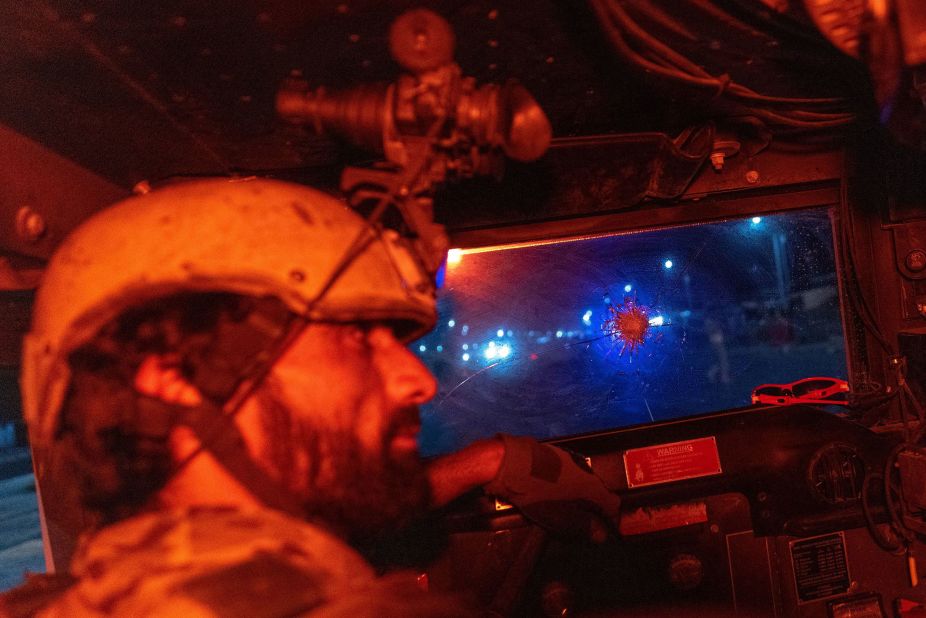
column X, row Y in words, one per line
column 628, row 323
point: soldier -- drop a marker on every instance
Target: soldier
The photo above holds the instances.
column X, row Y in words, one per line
column 222, row 367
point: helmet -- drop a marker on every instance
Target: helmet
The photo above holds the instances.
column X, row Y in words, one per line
column 252, row 237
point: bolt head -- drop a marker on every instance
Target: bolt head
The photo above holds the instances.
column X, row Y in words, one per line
column 30, row 225
column 142, row 188
column 916, row 260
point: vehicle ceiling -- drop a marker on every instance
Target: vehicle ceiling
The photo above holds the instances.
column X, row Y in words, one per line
column 147, row 91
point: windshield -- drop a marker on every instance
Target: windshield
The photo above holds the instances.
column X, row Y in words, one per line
column 558, row 339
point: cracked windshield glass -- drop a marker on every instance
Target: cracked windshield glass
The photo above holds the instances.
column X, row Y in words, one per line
column 559, row 339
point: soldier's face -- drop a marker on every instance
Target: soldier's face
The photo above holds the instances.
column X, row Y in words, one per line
column 338, row 424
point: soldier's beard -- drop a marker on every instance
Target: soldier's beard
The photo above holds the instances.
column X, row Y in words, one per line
column 342, row 485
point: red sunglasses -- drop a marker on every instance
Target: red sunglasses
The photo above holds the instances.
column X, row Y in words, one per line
column 806, row 390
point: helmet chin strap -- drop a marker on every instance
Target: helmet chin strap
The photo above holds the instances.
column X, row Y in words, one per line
column 220, row 436
column 237, row 364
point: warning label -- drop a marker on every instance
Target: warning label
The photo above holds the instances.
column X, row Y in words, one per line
column 676, row 461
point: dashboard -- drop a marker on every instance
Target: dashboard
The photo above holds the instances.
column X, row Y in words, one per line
column 751, row 512
column 800, row 468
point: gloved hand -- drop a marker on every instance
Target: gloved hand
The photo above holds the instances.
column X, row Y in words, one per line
column 555, row 489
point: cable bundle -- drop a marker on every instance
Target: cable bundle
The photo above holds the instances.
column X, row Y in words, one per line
column 640, row 48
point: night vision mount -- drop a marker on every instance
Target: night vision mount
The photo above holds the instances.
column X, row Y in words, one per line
column 432, row 125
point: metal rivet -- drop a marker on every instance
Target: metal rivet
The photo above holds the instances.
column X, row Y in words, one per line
column 179, row 21
column 752, row 177
column 353, row 38
column 297, row 275
column 142, row 188
column 30, row 225
column 493, row 14
column 916, row 260
column 493, row 43
column 343, row 9
column 550, row 60
column 88, row 18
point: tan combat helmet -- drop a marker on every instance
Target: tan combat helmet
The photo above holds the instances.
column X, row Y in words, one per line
column 254, row 237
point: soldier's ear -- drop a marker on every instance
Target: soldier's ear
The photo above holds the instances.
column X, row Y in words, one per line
column 159, row 376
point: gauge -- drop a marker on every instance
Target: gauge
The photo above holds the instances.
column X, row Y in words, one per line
column 836, row 474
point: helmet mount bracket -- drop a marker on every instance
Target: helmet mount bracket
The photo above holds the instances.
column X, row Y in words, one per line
column 432, row 125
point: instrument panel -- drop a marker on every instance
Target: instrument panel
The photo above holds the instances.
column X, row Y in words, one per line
column 800, row 467
column 751, row 512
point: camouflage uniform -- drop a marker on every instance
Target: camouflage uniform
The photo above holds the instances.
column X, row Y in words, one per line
column 208, row 562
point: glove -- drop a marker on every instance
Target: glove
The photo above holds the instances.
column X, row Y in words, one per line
column 555, row 489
